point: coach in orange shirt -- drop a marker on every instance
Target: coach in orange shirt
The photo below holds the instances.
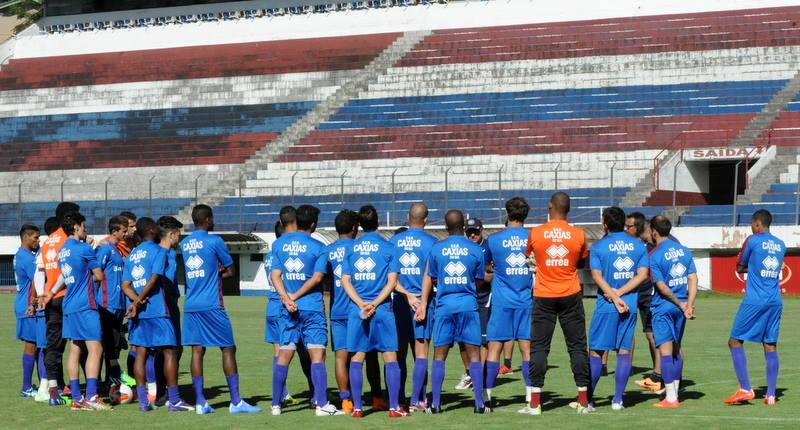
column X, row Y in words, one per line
column 557, row 248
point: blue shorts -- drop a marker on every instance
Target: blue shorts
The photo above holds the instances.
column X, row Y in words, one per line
column 408, row 328
column 41, row 332
column 307, row 327
column 274, row 307
column 458, row 327
column 175, row 319
column 509, row 324
column 338, row 334
column 272, row 329
column 152, row 332
column 82, row 325
column 757, row 323
column 26, row 329
column 612, row 331
column 668, row 325
column 207, row 328
column 377, row 333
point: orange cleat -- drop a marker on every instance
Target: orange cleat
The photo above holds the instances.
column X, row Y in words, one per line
column 740, row 396
column 398, row 413
column 357, row 413
column 378, row 404
column 347, row 406
column 770, row 400
column 505, row 370
column 667, row 404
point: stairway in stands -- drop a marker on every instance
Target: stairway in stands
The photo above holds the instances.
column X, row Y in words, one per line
column 214, row 195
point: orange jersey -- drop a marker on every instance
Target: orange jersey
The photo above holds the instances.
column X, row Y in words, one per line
column 50, row 248
column 123, row 248
column 557, row 247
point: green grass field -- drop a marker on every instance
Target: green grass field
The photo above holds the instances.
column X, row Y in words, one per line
column 708, row 379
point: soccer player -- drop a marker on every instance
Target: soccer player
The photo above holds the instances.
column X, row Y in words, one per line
column 79, row 268
column 619, row 264
column 759, row 316
column 675, row 277
column 130, row 240
column 510, row 319
column 25, row 302
column 458, row 266
column 303, row 315
column 52, row 304
column 330, row 262
column 205, row 322
column 556, row 248
column 112, row 304
column 39, row 281
column 413, row 247
column 152, row 327
column 369, row 274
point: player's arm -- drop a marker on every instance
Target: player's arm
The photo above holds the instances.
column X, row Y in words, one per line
column 366, row 307
column 692, row 290
column 277, row 282
column 391, row 281
column 127, row 289
column 744, row 257
column 641, row 275
column 48, row 295
column 307, row 286
column 427, row 286
column 666, row 293
column 608, row 292
column 225, row 259
column 228, row 272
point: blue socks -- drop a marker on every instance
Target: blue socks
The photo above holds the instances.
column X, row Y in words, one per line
column 476, row 372
column 437, row 379
column 418, row 380
column 278, row 383
column 174, row 396
column 141, row 394
column 233, row 388
column 356, row 383
column 40, row 363
column 402, row 381
column 285, row 391
column 150, row 368
column 526, row 373
column 740, row 367
column 596, row 369
column 621, row 376
column 91, row 388
column 772, row 371
column 344, row 395
column 75, row 387
column 492, row 368
column 392, row 369
column 27, row 371
column 668, row 369
column 199, row 397
column 319, row 376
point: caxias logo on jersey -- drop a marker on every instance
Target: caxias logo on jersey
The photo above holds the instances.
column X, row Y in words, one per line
column 455, row 270
column 409, row 260
column 194, row 263
column 517, row 264
column 556, row 254
column 294, row 269
column 364, row 266
column 623, row 266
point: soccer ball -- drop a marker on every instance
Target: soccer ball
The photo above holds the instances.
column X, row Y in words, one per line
column 122, row 395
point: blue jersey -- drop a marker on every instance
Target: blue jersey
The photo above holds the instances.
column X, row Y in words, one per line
column 76, row 260
column 670, row 263
column 369, row 261
column 456, row 263
column 24, row 269
column 413, row 247
column 110, row 261
column 512, row 282
column 168, row 281
column 618, row 256
column 204, row 255
column 762, row 254
column 272, row 293
column 330, row 262
column 146, row 260
column 295, row 255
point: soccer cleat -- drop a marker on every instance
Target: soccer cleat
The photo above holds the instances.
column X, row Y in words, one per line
column 276, row 410
column 667, row 404
column 770, row 400
column 80, row 405
column 398, row 413
column 58, row 401
column 527, row 410
column 617, row 406
column 41, row 396
column 97, row 404
column 588, row 409
column 505, row 370
column 740, row 396
column 378, row 404
column 435, row 410
column 327, row 411
column 179, row 406
column 290, row 401
column 127, row 380
column 161, row 401
column 243, row 408
column 203, row 409
column 418, row 407
column 482, row 410
column 357, row 413
column 27, row 394
column 347, row 406
column 66, row 391
column 465, row 383
column 146, row 408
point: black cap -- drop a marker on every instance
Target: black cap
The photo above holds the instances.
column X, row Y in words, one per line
column 473, row 224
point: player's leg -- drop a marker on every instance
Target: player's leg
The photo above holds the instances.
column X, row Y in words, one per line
column 28, row 362
column 467, row 326
column 572, row 318
column 543, row 323
column 374, row 377
column 747, row 325
column 73, row 371
column 174, row 401
column 476, row 371
column 314, row 335
column 508, row 356
column 437, row 376
column 669, row 374
column 392, row 370
column 498, row 331
column 524, row 346
column 356, row 376
column 280, row 373
column 465, row 383
column 420, row 375
column 54, row 350
column 772, row 316
column 140, row 373
column 625, row 333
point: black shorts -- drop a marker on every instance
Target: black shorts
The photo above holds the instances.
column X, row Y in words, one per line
column 483, row 313
column 645, row 313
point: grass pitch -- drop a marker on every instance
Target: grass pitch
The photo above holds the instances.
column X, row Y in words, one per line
column 708, row 379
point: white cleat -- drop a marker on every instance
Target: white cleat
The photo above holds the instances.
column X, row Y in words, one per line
column 276, row 410
column 617, row 406
column 465, row 383
column 527, row 410
column 328, row 410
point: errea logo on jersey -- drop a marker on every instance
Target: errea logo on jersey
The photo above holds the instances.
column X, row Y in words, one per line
column 294, row 269
column 409, row 260
column 770, row 269
column 455, row 270
column 51, row 257
column 137, row 273
column 678, row 274
column 194, row 264
column 556, row 254
column 623, row 266
column 66, row 272
column 365, row 267
column 517, row 264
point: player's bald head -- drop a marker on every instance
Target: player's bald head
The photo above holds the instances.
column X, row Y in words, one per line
column 454, row 221
column 559, row 203
column 417, row 215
